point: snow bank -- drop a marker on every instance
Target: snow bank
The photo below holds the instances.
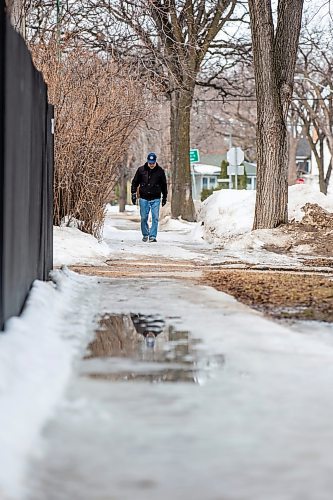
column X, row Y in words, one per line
column 228, row 214
column 72, row 246
column 36, row 354
column 169, row 224
column 304, row 193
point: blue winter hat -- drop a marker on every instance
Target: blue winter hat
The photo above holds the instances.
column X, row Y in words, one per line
column 151, row 158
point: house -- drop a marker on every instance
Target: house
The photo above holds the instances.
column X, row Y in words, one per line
column 207, row 175
column 303, row 157
column 203, row 177
column 251, row 173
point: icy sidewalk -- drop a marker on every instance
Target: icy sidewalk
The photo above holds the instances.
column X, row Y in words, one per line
column 36, row 354
column 175, row 239
column 255, row 422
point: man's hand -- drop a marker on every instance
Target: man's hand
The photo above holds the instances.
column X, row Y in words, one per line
column 163, row 201
column 134, row 199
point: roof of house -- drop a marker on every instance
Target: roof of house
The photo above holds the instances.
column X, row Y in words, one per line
column 215, row 160
column 250, row 168
column 204, row 169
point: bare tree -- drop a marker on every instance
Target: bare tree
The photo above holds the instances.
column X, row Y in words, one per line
column 310, row 112
column 295, row 132
column 95, row 116
column 274, row 59
column 151, row 134
column 174, row 38
column 314, row 89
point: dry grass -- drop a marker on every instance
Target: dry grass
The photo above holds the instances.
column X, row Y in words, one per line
column 282, row 295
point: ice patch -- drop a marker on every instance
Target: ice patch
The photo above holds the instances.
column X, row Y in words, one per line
column 36, row 354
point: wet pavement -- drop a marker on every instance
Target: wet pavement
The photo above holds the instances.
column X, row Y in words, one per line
column 143, row 347
column 184, row 393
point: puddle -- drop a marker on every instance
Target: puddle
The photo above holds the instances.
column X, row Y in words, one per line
column 138, row 347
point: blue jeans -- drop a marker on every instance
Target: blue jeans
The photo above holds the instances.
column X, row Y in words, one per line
column 145, row 207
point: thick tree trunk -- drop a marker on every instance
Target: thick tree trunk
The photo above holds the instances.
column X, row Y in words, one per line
column 272, row 175
column 274, row 54
column 272, row 142
column 181, row 200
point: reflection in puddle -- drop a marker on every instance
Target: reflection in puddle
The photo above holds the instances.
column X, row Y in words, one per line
column 144, row 347
column 149, row 325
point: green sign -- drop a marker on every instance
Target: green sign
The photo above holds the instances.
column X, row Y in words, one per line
column 194, row 155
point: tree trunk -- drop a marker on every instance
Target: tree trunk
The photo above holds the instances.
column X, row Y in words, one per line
column 292, row 167
column 272, row 175
column 181, row 200
column 272, row 144
column 122, row 191
column 322, row 183
column 274, row 56
column 329, row 139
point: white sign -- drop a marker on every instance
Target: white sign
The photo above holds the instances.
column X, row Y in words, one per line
column 235, row 156
column 231, row 169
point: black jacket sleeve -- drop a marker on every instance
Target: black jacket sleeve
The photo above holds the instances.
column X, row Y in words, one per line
column 135, row 181
column 164, row 186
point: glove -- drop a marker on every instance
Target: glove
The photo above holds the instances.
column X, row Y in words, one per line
column 134, row 199
column 163, row 201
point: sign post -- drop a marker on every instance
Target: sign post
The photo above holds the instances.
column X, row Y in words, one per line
column 194, row 156
column 235, row 157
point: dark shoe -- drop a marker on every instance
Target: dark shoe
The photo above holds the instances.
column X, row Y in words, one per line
column 152, row 240
column 145, row 238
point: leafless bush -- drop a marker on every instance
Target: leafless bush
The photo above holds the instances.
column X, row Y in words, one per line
column 98, row 103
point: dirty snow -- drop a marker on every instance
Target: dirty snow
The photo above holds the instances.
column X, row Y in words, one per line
column 229, row 213
column 175, row 240
column 227, row 219
column 36, row 353
column 72, row 246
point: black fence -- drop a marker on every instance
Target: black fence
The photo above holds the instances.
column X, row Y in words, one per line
column 26, row 173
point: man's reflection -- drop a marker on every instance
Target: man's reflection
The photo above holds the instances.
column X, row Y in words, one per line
column 148, row 325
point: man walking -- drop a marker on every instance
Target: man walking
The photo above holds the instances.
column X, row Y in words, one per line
column 151, row 180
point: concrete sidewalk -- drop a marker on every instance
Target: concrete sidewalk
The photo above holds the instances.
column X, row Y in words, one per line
column 224, row 404
column 243, row 411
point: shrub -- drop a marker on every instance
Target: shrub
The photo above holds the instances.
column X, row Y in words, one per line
column 98, row 103
column 205, row 193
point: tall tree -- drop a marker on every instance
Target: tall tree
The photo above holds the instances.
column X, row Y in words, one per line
column 314, row 88
column 274, row 58
column 178, row 34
